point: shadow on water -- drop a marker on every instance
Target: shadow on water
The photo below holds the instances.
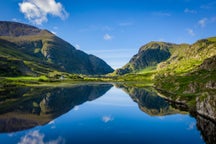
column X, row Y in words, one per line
column 26, row 107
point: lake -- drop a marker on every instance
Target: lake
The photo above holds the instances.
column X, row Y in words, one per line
column 96, row 113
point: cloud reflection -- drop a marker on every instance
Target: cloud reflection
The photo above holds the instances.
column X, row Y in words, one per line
column 107, row 119
column 76, row 108
column 191, row 126
column 35, row 137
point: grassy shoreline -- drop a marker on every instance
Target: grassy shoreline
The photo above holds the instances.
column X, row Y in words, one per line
column 135, row 79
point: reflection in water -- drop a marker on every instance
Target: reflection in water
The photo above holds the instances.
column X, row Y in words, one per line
column 149, row 102
column 35, row 137
column 207, row 128
column 23, row 108
column 113, row 118
column 154, row 105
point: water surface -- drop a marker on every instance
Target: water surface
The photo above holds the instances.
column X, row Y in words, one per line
column 95, row 113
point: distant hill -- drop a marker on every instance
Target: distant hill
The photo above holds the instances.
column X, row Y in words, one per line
column 150, row 54
column 27, row 50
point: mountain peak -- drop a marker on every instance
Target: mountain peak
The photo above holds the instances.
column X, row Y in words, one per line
column 149, row 55
column 156, row 45
column 47, row 49
column 16, row 29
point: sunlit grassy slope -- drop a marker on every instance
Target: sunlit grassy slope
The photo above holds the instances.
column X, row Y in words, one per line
column 191, row 73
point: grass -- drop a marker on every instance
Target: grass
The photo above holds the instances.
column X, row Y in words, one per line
column 212, row 39
column 28, row 78
column 150, row 69
column 141, row 79
column 187, row 87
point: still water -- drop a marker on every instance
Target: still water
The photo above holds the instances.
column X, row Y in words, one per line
column 94, row 113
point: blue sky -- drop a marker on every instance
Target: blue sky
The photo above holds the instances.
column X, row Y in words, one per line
column 114, row 30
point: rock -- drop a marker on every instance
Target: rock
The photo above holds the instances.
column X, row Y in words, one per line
column 209, row 64
column 192, row 87
column 207, row 106
column 211, row 85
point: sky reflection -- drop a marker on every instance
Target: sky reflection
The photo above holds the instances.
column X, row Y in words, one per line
column 112, row 118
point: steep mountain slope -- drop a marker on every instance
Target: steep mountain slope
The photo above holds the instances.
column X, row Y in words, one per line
column 40, row 51
column 197, row 62
column 149, row 55
column 190, row 77
column 187, row 59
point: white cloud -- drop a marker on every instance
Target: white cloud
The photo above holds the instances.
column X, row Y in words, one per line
column 107, row 37
column 190, row 11
column 35, row 137
column 36, row 11
column 202, row 22
column 107, row 119
column 190, row 32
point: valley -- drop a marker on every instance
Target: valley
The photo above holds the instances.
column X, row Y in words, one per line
column 182, row 75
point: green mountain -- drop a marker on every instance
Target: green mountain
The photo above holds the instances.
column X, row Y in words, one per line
column 149, row 55
column 189, row 70
column 182, row 73
column 27, row 50
column 190, row 77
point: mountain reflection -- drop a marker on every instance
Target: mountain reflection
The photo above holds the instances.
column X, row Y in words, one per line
column 24, row 107
column 207, row 128
column 149, row 102
column 154, row 105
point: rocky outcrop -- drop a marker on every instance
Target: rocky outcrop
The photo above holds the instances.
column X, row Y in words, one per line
column 191, row 88
column 209, row 64
column 211, row 85
column 206, row 105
